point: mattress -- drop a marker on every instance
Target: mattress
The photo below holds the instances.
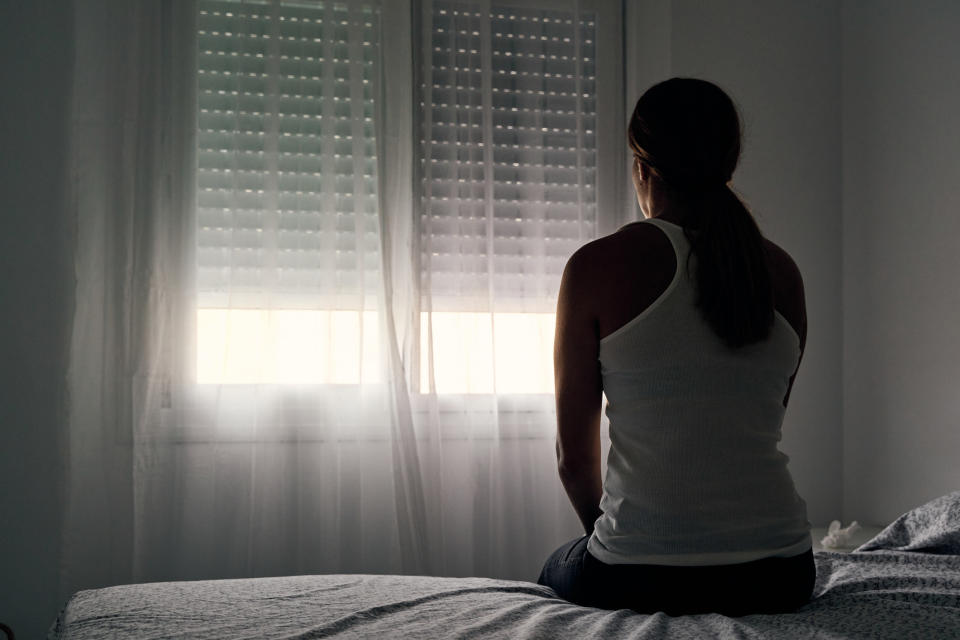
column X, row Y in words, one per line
column 904, row 583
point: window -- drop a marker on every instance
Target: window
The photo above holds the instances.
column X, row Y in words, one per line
column 509, row 187
column 288, row 249
column 510, row 164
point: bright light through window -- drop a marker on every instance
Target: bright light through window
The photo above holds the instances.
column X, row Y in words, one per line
column 260, row 346
column 472, row 352
column 487, row 353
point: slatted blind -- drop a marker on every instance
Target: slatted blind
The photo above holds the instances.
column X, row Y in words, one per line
column 509, row 159
column 287, row 172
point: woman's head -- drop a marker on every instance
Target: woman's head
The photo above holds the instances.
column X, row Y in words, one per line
column 687, row 132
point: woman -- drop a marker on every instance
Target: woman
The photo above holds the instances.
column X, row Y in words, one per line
column 693, row 325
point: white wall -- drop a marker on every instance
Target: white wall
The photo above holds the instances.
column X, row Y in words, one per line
column 36, row 263
column 779, row 61
column 901, row 254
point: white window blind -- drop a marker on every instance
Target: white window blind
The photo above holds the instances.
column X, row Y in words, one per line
column 287, row 167
column 510, row 153
column 288, row 249
column 287, row 185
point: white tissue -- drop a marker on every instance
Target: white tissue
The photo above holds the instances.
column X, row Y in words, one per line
column 836, row 537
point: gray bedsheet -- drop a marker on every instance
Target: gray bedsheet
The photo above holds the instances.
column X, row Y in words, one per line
column 875, row 594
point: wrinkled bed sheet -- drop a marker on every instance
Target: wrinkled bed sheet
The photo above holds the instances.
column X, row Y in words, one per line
column 904, row 583
column 860, row 595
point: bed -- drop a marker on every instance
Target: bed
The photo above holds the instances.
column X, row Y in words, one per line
column 904, row 583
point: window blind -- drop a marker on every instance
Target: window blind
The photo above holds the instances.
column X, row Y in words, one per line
column 287, row 174
column 509, row 161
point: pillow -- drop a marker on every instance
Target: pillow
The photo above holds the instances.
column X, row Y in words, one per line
column 931, row 528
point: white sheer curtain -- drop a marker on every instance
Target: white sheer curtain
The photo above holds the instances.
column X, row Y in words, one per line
column 132, row 176
column 314, row 315
column 508, row 192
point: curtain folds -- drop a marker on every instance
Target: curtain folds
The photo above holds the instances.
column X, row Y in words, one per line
column 291, row 346
column 132, row 177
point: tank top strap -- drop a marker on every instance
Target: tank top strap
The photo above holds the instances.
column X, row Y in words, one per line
column 681, row 246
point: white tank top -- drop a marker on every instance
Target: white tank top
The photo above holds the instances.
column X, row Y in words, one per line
column 694, row 475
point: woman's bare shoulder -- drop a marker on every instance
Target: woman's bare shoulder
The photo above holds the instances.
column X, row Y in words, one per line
column 632, row 246
column 788, row 293
column 786, row 274
column 780, row 258
column 617, row 276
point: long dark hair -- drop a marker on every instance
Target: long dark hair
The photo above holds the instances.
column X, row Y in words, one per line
column 687, row 131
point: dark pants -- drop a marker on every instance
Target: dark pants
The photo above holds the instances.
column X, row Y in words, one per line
column 769, row 585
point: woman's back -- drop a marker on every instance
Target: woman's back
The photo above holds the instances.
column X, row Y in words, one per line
column 636, row 264
column 694, row 476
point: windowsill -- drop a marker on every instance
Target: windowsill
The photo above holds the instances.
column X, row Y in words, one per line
column 237, row 414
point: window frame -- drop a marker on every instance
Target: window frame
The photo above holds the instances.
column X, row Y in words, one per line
column 612, row 173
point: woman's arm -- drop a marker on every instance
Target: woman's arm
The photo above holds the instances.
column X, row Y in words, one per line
column 789, row 298
column 579, row 387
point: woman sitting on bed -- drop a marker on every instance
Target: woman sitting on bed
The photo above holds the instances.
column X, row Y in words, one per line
column 693, row 325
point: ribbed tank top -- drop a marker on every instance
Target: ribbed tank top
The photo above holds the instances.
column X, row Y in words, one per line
column 694, row 475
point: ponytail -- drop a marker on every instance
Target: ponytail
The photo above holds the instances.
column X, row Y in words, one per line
column 734, row 289
column 687, row 131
